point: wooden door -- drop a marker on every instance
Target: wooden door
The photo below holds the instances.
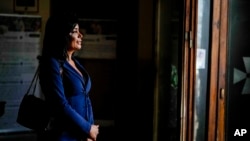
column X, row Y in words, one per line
column 217, row 97
column 198, row 100
column 237, row 124
column 229, row 74
column 228, row 70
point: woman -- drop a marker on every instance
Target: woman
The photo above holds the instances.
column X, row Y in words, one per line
column 65, row 83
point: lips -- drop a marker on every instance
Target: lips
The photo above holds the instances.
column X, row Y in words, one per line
column 79, row 42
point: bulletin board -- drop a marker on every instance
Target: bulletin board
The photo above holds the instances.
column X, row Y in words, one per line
column 19, row 48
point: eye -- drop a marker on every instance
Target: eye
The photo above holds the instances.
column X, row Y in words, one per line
column 74, row 31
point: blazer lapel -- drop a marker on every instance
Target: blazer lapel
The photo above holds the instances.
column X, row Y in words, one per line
column 87, row 82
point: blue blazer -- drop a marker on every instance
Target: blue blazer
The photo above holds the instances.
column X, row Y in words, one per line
column 67, row 94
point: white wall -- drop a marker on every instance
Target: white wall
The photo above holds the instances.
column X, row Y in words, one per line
column 7, row 6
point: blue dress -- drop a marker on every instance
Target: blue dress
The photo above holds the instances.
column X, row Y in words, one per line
column 67, row 94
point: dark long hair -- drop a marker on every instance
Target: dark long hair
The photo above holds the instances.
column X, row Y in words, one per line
column 56, row 36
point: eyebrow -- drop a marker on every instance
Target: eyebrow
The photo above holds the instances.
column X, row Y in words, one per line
column 76, row 28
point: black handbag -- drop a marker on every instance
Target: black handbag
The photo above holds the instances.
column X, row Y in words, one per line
column 33, row 111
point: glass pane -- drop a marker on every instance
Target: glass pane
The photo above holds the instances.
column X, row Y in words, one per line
column 200, row 94
column 238, row 69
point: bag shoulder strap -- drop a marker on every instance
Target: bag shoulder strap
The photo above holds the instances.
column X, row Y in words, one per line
column 33, row 82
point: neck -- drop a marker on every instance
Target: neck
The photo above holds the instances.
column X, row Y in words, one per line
column 69, row 55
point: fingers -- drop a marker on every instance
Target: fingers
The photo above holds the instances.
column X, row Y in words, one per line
column 89, row 139
column 94, row 131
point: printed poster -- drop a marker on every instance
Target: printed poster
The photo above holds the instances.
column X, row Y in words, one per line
column 19, row 48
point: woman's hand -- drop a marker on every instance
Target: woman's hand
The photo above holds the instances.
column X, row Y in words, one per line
column 89, row 139
column 94, row 131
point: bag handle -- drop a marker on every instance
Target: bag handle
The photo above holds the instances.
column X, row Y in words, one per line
column 33, row 82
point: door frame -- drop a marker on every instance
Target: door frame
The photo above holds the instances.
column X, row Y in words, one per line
column 188, row 71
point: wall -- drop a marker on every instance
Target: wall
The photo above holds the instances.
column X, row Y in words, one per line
column 6, row 6
column 134, row 65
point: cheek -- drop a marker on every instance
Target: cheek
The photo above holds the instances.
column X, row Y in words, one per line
column 73, row 43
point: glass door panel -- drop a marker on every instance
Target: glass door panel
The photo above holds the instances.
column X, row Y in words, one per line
column 238, row 71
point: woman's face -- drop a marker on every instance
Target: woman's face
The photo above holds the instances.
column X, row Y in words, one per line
column 76, row 39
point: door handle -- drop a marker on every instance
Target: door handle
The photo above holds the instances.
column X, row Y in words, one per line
column 222, row 93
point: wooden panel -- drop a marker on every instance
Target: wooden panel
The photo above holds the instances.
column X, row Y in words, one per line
column 222, row 72
column 184, row 85
column 188, row 71
column 216, row 121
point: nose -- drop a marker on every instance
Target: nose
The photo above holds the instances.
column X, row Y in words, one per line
column 80, row 35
